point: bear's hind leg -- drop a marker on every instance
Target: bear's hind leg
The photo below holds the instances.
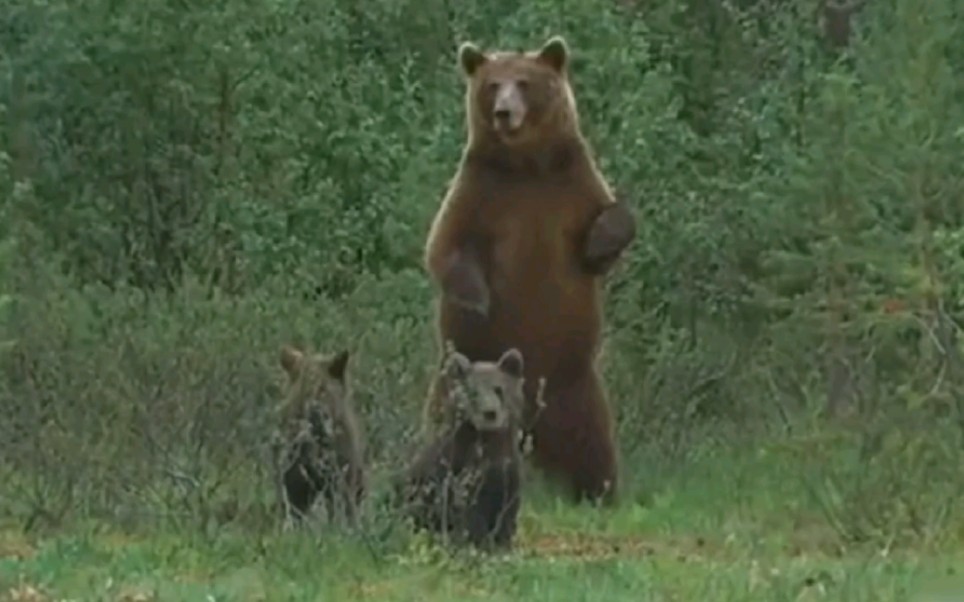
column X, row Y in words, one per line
column 299, row 493
column 574, row 440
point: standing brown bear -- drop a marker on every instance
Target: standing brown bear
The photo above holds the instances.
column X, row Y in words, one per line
column 519, row 247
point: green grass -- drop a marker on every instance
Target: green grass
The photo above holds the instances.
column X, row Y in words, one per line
column 725, row 526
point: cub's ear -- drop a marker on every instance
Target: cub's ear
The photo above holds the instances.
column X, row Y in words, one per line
column 291, row 360
column 470, row 58
column 338, row 365
column 555, row 53
column 458, row 366
column 511, row 363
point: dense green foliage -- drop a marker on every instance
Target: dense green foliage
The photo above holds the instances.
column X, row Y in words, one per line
column 186, row 186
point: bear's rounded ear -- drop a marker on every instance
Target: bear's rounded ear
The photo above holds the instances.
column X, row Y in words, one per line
column 511, row 363
column 458, row 366
column 338, row 365
column 291, row 360
column 470, row 58
column 555, row 53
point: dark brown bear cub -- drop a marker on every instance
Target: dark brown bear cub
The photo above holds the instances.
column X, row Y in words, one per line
column 322, row 452
column 518, row 249
column 466, row 483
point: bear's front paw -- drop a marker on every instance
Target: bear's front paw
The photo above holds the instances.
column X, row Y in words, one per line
column 611, row 232
column 464, row 285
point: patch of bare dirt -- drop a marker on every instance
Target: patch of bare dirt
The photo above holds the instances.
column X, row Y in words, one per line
column 15, row 546
column 25, row 593
column 590, row 546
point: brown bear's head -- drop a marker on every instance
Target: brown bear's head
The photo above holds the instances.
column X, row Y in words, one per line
column 518, row 98
column 488, row 394
column 315, row 382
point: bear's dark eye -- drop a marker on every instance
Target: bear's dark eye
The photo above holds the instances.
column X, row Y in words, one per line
column 493, row 87
column 523, row 84
column 498, row 392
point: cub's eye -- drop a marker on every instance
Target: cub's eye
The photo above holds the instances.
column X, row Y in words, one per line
column 492, row 87
column 523, row 84
column 498, row 392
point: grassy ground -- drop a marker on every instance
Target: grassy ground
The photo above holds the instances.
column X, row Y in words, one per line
column 735, row 526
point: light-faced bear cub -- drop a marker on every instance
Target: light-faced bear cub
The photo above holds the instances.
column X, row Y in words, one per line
column 465, row 483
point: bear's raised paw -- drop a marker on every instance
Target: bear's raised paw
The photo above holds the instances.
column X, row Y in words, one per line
column 611, row 232
column 464, row 284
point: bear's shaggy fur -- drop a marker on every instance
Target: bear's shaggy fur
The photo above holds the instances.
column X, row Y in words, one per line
column 519, row 247
column 466, row 482
column 322, row 447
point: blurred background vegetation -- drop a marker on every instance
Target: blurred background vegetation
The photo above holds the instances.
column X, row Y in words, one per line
column 186, row 186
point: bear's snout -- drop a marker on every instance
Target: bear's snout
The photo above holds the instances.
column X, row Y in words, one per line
column 509, row 109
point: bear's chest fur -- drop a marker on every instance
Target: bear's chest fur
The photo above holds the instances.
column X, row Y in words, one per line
column 532, row 233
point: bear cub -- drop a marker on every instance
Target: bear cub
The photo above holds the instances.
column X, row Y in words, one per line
column 466, row 482
column 322, row 448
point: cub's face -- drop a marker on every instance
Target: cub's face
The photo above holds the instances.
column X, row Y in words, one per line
column 517, row 96
column 315, row 382
column 489, row 394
